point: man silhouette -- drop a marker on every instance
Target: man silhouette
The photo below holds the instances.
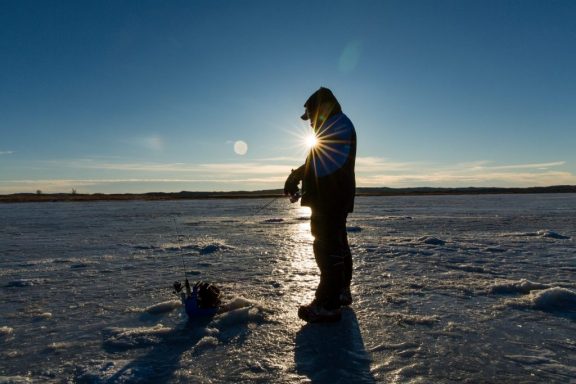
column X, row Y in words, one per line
column 328, row 188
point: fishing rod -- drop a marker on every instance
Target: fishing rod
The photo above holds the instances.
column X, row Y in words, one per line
column 203, row 299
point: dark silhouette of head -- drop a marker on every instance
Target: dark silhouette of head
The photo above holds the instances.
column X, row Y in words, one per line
column 320, row 106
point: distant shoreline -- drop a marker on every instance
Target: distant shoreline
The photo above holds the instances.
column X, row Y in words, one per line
column 184, row 195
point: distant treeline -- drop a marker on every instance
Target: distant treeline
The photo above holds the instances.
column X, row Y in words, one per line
column 462, row 191
column 184, row 195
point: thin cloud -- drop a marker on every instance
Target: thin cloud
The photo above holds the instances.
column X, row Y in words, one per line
column 289, row 160
column 524, row 166
column 451, row 180
column 139, row 184
column 467, row 174
column 378, row 164
column 245, row 168
column 6, row 152
column 144, row 167
column 65, row 182
column 222, row 168
column 153, row 143
column 267, row 174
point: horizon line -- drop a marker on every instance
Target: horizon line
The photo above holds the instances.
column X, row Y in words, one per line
column 279, row 190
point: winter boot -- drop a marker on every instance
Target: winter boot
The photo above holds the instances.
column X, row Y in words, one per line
column 316, row 313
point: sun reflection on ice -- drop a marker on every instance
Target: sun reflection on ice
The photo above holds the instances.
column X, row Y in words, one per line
column 302, row 264
column 302, row 231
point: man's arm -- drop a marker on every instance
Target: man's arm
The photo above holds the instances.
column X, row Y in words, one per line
column 299, row 172
column 291, row 184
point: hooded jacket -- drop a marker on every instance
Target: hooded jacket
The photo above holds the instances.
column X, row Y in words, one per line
column 329, row 182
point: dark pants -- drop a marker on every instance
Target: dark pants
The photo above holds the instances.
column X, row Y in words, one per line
column 333, row 256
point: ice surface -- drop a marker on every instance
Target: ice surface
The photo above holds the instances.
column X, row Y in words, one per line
column 412, row 319
column 550, row 299
column 521, row 286
column 274, row 220
column 19, row 283
column 135, row 337
column 163, row 307
column 447, row 289
column 215, row 247
column 5, row 331
column 554, row 299
column 541, row 233
column 431, row 240
column 15, row 380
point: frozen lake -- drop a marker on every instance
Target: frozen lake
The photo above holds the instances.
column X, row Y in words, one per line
column 447, row 289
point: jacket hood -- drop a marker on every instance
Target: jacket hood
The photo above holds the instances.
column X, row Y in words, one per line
column 322, row 95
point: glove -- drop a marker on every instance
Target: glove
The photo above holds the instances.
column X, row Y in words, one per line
column 291, row 184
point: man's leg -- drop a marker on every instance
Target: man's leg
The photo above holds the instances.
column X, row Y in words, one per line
column 329, row 251
column 347, row 254
column 346, row 295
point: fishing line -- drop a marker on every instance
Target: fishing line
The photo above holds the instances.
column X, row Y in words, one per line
column 257, row 211
column 179, row 236
column 179, row 246
column 266, row 205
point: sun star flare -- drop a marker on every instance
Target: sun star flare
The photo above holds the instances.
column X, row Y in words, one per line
column 310, row 141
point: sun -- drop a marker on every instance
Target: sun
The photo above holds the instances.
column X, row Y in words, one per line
column 305, row 139
column 310, row 140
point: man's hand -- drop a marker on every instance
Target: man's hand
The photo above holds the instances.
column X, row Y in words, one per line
column 291, row 184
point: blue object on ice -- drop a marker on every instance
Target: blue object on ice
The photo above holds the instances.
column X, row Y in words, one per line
column 192, row 308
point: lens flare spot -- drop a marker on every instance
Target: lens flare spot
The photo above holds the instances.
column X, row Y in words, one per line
column 240, row 147
column 350, row 57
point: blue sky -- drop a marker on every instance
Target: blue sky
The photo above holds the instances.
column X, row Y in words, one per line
column 138, row 96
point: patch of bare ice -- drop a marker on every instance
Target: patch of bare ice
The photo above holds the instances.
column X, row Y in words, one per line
column 15, row 380
column 273, row 220
column 531, row 360
column 431, row 240
column 135, row 337
column 214, row 247
column 469, row 268
column 395, row 218
column 57, row 346
column 413, row 319
column 543, row 362
column 163, row 307
column 117, row 371
column 495, row 249
column 398, row 346
column 545, row 233
column 20, row 283
column 552, row 235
